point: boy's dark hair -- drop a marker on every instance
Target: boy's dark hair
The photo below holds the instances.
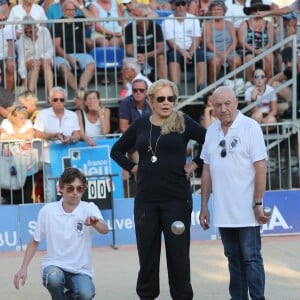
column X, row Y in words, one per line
column 69, row 175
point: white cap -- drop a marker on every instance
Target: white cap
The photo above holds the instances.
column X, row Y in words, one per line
column 126, row 1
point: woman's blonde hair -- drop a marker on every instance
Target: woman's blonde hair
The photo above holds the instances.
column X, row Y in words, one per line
column 26, row 95
column 15, row 109
column 175, row 122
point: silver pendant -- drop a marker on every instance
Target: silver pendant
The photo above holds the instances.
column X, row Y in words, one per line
column 153, row 159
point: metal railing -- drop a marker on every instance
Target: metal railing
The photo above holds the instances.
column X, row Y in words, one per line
column 280, row 137
column 110, row 93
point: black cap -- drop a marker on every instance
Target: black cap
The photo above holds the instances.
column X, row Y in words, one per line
column 255, row 5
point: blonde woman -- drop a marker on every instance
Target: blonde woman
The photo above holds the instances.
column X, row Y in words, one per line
column 17, row 126
column 29, row 100
column 94, row 119
column 163, row 193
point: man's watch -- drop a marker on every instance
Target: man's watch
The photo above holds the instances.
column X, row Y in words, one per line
column 254, row 204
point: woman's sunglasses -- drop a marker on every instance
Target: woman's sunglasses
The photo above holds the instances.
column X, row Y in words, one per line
column 161, row 99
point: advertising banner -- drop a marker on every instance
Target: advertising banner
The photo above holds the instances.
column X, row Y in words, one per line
column 285, row 207
column 10, row 239
column 17, row 222
column 103, row 174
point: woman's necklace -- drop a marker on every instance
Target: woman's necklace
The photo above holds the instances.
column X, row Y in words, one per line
column 150, row 149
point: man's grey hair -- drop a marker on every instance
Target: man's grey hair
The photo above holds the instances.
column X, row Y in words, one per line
column 57, row 89
column 132, row 63
column 67, row 2
column 145, row 8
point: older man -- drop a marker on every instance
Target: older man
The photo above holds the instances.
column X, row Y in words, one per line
column 131, row 70
column 182, row 33
column 69, row 40
column 234, row 171
column 132, row 108
column 57, row 122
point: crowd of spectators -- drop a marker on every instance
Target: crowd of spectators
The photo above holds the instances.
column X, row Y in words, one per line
column 203, row 37
column 153, row 50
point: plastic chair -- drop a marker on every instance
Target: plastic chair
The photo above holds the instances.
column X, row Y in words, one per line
column 162, row 14
column 108, row 57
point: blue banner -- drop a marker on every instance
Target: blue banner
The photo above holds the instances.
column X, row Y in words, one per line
column 10, row 239
column 285, row 217
column 28, row 218
column 285, row 220
column 95, row 163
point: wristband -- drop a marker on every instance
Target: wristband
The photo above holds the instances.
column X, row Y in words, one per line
column 254, row 204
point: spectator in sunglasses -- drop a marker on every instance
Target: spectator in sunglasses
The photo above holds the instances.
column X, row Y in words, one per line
column 182, row 33
column 57, row 122
column 70, row 47
column 266, row 109
column 234, row 172
column 149, row 41
column 68, row 227
column 163, row 193
column 132, row 108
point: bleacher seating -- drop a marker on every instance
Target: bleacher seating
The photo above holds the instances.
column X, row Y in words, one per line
column 108, row 57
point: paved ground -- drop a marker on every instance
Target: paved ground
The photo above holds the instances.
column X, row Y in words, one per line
column 116, row 272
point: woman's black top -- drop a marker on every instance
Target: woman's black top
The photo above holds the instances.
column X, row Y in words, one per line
column 164, row 179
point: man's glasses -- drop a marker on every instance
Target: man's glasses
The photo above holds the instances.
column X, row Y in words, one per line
column 58, row 99
column 223, row 145
column 259, row 76
column 79, row 189
column 135, row 90
column 161, row 99
column 180, row 3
